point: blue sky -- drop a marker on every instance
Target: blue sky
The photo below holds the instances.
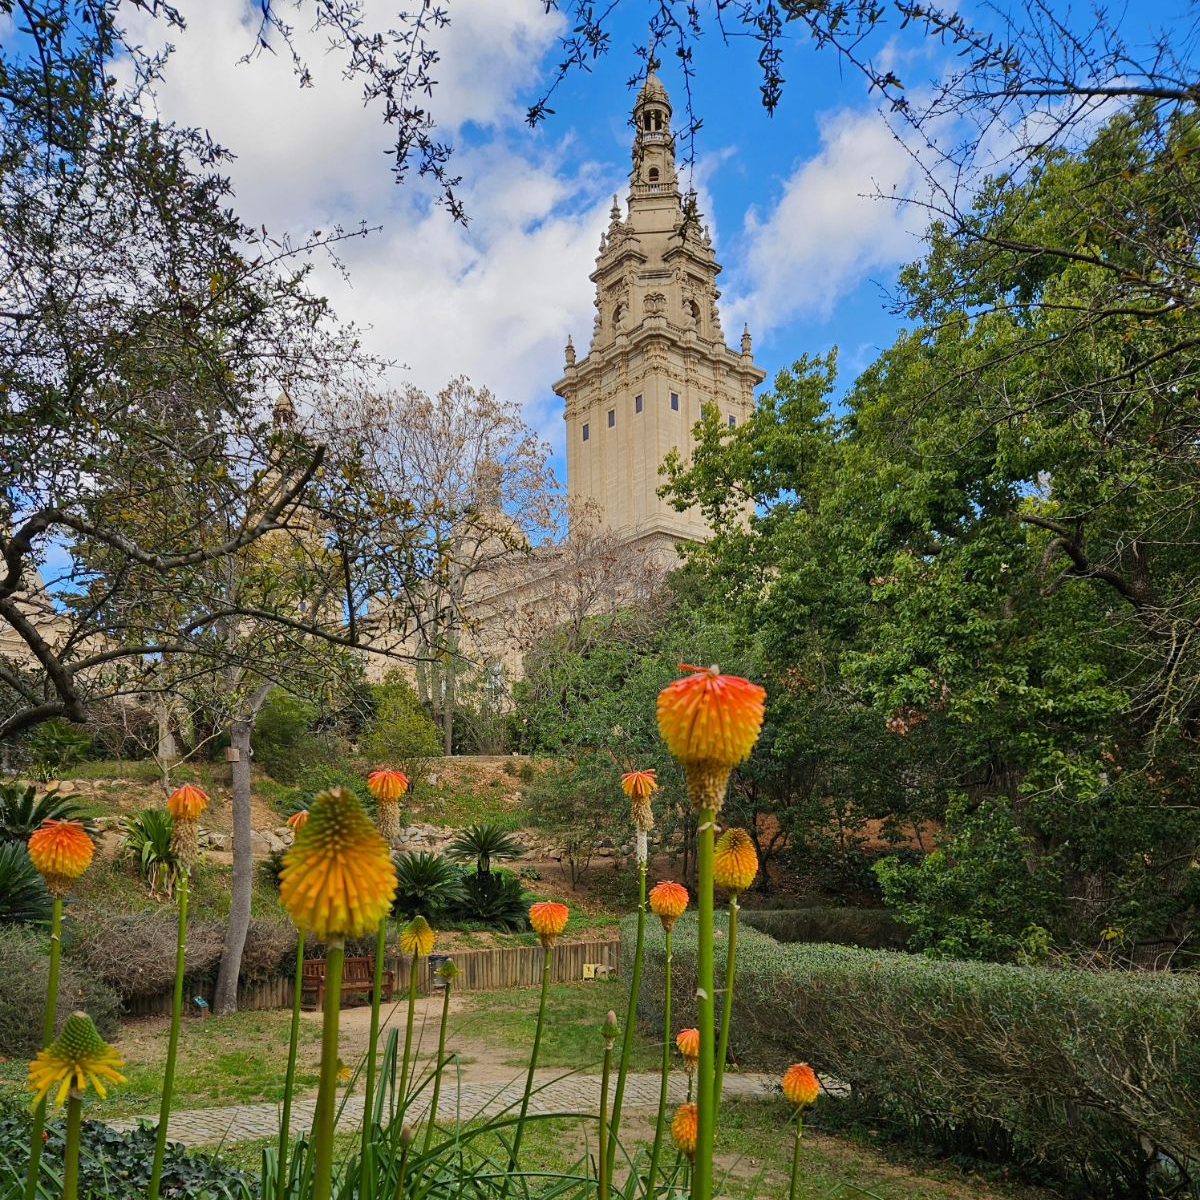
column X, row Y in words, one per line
column 807, row 256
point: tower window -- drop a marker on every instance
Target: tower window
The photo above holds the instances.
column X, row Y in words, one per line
column 637, row 404
column 586, row 431
column 732, row 421
column 612, row 417
column 674, row 401
column 653, row 174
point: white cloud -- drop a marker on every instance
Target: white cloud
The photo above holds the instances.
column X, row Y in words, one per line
column 827, row 231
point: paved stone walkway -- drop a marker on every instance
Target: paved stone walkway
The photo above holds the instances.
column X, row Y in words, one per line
column 559, row 1094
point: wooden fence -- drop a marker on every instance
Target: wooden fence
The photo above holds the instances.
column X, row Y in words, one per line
column 480, row 971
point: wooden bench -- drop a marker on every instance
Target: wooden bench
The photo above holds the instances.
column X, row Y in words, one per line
column 358, row 975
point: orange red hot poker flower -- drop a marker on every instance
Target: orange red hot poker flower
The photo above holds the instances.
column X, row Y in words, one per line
column 187, row 802
column 710, row 722
column 640, row 786
column 688, row 1043
column 800, row 1085
column 735, row 861
column 298, row 820
column 549, row 919
column 684, row 1129
column 668, row 902
column 387, row 785
column 61, row 851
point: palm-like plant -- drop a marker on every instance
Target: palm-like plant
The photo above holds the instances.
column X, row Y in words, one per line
column 497, row 901
column 22, row 811
column 24, row 899
column 148, row 842
column 483, row 843
column 425, row 885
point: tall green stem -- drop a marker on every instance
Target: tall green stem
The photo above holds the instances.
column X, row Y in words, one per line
column 323, row 1118
column 702, row 1179
column 660, row 1123
column 547, row 960
column 431, row 1120
column 408, row 1034
column 602, row 1148
column 635, row 986
column 727, row 1007
column 405, row 1146
column 793, row 1191
column 164, row 1111
column 289, row 1081
column 369, row 1099
column 49, row 1020
column 71, row 1158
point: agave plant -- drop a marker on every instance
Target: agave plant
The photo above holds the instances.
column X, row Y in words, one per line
column 22, row 810
column 24, row 899
column 148, row 842
column 426, row 884
column 483, row 843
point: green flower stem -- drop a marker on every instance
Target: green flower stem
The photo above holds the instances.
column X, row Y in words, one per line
column 547, row 960
column 408, row 1035
column 727, row 1007
column 405, row 1145
column 665, row 1079
column 702, row 1177
column 793, row 1191
column 431, row 1120
column 635, row 987
column 49, row 1020
column 164, row 1111
column 369, row 1098
column 602, row 1148
column 285, row 1124
column 323, row 1118
column 71, row 1155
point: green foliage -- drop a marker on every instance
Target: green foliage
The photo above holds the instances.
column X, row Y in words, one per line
column 148, row 844
column 426, row 885
column 402, row 734
column 22, row 810
column 496, row 900
column 871, row 928
column 24, row 899
column 484, row 842
column 55, row 746
column 26, row 957
column 281, row 733
column 1094, row 1076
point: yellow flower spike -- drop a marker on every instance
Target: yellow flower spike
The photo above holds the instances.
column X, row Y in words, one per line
column 668, row 902
column 79, row 1057
column 418, row 938
column 735, row 861
column 800, row 1085
column 640, row 786
column 338, row 878
column 61, row 851
column 710, row 723
column 548, row 919
column 684, row 1128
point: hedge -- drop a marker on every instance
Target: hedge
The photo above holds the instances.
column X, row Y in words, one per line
column 1092, row 1077
column 874, row 928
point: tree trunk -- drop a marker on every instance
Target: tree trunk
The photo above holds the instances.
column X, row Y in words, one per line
column 448, row 705
column 225, row 999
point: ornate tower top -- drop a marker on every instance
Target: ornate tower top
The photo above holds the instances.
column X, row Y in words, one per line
column 657, row 353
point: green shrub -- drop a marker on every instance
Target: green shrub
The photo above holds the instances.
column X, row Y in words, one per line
column 24, row 899
column 281, row 733
column 402, row 734
column 148, row 843
column 55, row 746
column 872, row 928
column 1093, row 1077
column 22, row 810
column 25, row 954
column 496, row 900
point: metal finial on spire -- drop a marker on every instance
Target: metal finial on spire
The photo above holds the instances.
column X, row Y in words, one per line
column 570, row 351
column 746, row 344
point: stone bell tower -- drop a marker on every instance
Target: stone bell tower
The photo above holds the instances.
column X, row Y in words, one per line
column 657, row 352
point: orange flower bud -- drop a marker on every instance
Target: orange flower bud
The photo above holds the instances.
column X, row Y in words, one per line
column 386, row 785
column 640, row 784
column 417, row 938
column 800, row 1085
column 688, row 1043
column 684, row 1129
column 735, row 862
column 668, row 902
column 298, row 820
column 548, row 919
column 61, row 851
column 187, row 802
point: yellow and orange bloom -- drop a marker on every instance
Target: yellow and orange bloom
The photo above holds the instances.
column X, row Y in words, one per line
column 185, row 804
column 684, row 1128
column 61, row 851
column 710, row 723
column 417, row 938
column 640, row 787
column 298, row 820
column 735, row 861
column 668, row 902
column 77, row 1058
column 338, row 878
column 549, row 919
column 800, row 1085
column 688, row 1043
column 387, row 786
